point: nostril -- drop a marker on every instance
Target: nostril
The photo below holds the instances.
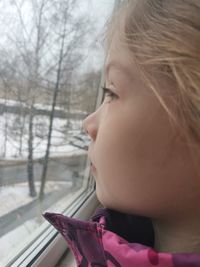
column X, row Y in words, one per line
column 86, row 131
column 90, row 127
column 83, row 128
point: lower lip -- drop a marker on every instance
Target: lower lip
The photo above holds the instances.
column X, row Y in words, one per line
column 92, row 167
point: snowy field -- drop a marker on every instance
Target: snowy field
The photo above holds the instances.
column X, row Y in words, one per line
column 61, row 136
column 16, row 195
column 12, row 197
column 10, row 103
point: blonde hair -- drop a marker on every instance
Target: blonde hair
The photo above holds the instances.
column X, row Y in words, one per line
column 165, row 35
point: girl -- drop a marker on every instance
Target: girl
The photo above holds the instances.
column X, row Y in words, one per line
column 145, row 140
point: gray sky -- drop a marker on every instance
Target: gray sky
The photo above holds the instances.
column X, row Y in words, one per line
column 98, row 10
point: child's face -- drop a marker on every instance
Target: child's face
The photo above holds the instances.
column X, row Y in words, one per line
column 139, row 163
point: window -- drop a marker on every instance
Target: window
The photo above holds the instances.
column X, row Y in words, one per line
column 51, row 60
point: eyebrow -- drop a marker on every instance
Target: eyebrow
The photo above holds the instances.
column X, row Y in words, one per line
column 117, row 65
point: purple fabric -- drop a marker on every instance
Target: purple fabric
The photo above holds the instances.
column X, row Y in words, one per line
column 114, row 239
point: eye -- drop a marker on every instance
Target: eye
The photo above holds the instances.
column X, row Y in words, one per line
column 107, row 93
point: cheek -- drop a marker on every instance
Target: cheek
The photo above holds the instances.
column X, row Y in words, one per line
column 132, row 143
column 120, row 184
column 113, row 148
column 113, row 165
column 130, row 160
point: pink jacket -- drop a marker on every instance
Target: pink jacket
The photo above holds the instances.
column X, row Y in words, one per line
column 114, row 239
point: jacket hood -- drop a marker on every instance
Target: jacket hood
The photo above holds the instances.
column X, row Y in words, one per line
column 113, row 239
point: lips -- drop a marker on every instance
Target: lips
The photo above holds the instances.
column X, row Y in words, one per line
column 92, row 167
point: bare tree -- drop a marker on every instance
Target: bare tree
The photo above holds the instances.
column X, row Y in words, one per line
column 71, row 34
column 31, row 59
column 46, row 47
column 28, row 45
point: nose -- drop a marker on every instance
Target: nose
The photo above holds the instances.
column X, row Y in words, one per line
column 90, row 126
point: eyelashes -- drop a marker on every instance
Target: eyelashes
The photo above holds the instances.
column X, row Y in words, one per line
column 109, row 94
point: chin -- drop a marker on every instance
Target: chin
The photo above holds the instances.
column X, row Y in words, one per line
column 106, row 203
column 101, row 197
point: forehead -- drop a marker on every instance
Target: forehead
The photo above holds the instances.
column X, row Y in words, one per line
column 119, row 57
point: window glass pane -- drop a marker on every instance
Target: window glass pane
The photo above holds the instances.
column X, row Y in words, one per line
column 51, row 61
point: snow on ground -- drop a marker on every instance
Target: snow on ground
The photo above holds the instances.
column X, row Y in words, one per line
column 60, row 137
column 10, row 102
column 18, row 194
